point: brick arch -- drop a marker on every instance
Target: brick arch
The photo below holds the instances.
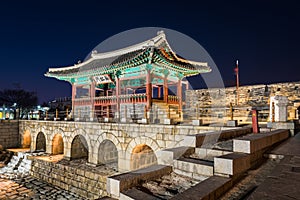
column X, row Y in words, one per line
column 142, row 152
column 79, row 147
column 41, row 141
column 75, row 134
column 142, row 140
column 57, row 144
column 108, row 136
column 108, row 140
column 26, row 138
column 22, row 132
column 57, row 131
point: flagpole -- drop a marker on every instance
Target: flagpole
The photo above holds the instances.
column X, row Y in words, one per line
column 237, row 82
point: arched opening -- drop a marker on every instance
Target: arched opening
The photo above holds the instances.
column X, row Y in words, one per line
column 57, row 144
column 26, row 139
column 79, row 148
column 142, row 156
column 108, row 154
column 40, row 142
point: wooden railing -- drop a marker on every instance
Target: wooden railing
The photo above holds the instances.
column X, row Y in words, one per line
column 82, row 101
column 128, row 98
column 173, row 99
column 133, row 98
column 112, row 100
column 106, row 100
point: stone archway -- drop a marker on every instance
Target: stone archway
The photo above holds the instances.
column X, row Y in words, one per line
column 79, row 148
column 26, row 139
column 40, row 142
column 142, row 156
column 57, row 144
column 108, row 153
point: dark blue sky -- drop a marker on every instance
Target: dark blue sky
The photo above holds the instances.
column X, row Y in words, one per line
column 36, row 35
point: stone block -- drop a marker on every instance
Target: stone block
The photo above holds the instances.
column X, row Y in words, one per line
column 197, row 122
column 194, row 166
column 232, row 123
column 189, row 140
column 283, row 125
column 122, row 182
column 168, row 121
column 231, row 164
column 143, row 121
column 256, row 142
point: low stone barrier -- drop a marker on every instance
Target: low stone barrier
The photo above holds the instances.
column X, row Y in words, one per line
column 211, row 188
column 167, row 156
column 198, row 140
column 193, row 168
column 231, row 164
column 254, row 143
column 84, row 183
column 119, row 183
column 204, row 153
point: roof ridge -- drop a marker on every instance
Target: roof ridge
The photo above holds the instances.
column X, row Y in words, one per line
column 155, row 41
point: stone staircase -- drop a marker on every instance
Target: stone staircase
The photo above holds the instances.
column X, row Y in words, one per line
column 215, row 170
column 165, row 111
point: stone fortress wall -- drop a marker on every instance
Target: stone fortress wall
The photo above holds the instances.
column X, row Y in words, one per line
column 9, row 134
column 250, row 97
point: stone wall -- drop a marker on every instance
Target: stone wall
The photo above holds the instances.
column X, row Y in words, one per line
column 83, row 182
column 9, row 134
column 125, row 137
column 250, row 96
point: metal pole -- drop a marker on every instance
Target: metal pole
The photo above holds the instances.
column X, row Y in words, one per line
column 231, row 111
column 237, row 82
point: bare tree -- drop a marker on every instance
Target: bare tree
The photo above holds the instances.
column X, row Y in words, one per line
column 22, row 100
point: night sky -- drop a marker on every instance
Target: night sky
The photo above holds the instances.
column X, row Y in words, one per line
column 35, row 35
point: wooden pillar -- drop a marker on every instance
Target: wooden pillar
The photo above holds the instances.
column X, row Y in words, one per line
column 117, row 95
column 107, row 111
column 179, row 94
column 92, row 98
column 166, row 90
column 148, row 90
column 73, row 99
column 159, row 92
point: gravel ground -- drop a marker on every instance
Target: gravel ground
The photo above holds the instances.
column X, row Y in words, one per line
column 168, row 186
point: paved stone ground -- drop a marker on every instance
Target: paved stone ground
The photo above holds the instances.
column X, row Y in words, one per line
column 275, row 179
column 252, row 179
column 283, row 183
column 31, row 188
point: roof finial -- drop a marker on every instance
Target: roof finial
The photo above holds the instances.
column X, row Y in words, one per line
column 161, row 32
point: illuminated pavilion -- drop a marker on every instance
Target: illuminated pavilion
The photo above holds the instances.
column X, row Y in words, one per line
column 132, row 83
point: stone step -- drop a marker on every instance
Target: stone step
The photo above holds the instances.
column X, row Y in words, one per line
column 212, row 188
column 202, row 139
column 255, row 142
column 194, row 168
column 208, row 154
column 167, row 156
column 122, row 182
column 231, row 164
